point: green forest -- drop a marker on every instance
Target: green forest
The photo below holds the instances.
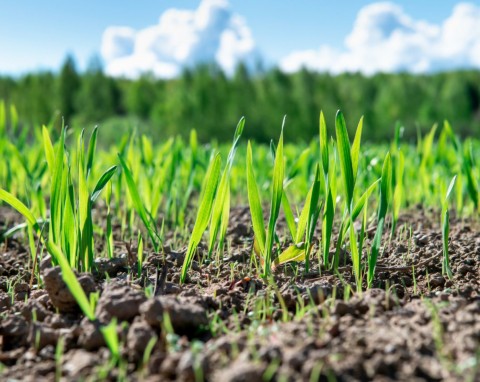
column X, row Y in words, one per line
column 207, row 100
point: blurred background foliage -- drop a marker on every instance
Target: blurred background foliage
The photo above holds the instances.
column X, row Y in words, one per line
column 206, row 99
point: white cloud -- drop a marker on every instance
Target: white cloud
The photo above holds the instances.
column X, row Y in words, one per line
column 386, row 39
column 181, row 38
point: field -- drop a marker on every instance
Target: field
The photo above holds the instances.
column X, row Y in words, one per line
column 336, row 260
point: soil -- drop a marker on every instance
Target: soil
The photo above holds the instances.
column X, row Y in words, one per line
column 228, row 324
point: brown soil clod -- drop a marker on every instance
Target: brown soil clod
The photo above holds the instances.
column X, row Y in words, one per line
column 60, row 296
column 185, row 317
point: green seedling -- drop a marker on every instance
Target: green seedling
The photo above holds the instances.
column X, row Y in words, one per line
column 67, row 272
column 221, row 204
column 264, row 238
column 205, row 206
column 110, row 335
column 385, row 192
column 305, row 229
column 446, row 270
column 147, row 219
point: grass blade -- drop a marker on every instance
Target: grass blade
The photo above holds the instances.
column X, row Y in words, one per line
column 254, row 202
column 356, row 148
column 20, row 207
column 345, row 158
column 294, row 252
column 138, row 205
column 102, row 182
column 203, row 214
column 289, row 217
column 324, row 145
column 277, row 192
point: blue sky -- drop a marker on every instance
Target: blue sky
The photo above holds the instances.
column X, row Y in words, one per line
column 37, row 35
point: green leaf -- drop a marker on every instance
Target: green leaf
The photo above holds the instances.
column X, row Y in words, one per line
column 363, row 199
column 345, row 157
column 277, row 192
column 254, row 202
column 223, row 190
column 92, row 144
column 20, row 207
column 102, row 182
column 427, row 145
column 303, row 218
column 293, row 253
column 385, row 187
column 399, row 189
column 48, row 147
column 13, row 118
column 374, row 251
column 110, row 335
column 147, row 150
column 324, row 145
column 138, row 205
column 450, row 189
column 3, row 117
column 289, row 217
column 356, row 148
column 327, row 227
column 356, row 255
column 203, row 214
column 446, row 270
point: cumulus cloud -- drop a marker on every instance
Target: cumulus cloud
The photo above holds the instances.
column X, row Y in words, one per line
column 384, row 38
column 182, row 38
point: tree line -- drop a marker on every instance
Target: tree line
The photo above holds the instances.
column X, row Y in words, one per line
column 206, row 99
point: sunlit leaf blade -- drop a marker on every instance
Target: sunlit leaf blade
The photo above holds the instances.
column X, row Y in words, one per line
column 324, row 144
column 19, row 206
column 203, row 214
column 303, row 218
column 450, row 189
column 289, row 217
column 399, row 191
column 427, row 146
column 363, row 199
column 385, row 187
column 137, row 203
column 385, row 191
column 355, row 254
column 292, row 253
column 102, row 182
column 254, row 202
column 48, row 147
column 345, row 157
column 110, row 335
column 356, row 148
column 223, row 189
column 446, row 270
column 225, row 217
column 3, row 117
column 92, row 144
column 327, row 227
column 147, row 150
column 277, row 192
column 374, row 251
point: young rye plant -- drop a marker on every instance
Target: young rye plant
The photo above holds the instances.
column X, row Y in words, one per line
column 264, row 238
column 214, row 205
column 446, row 270
column 70, row 233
